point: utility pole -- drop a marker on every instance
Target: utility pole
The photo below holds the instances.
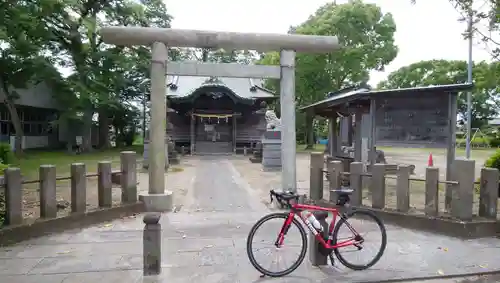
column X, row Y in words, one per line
column 469, row 80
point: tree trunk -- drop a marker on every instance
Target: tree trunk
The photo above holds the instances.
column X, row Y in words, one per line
column 87, row 131
column 104, row 142
column 309, row 132
column 14, row 116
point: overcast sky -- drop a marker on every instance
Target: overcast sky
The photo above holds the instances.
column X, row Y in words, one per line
column 428, row 30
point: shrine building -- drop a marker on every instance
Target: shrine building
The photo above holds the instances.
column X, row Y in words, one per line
column 212, row 115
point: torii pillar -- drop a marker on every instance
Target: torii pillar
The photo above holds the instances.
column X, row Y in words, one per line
column 159, row 38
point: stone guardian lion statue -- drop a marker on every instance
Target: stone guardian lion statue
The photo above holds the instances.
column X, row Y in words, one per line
column 273, row 122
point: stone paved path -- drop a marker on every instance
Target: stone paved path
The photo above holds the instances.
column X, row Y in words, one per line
column 205, row 242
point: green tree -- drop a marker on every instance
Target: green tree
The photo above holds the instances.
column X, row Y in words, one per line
column 100, row 71
column 36, row 36
column 367, row 37
column 22, row 60
column 485, row 102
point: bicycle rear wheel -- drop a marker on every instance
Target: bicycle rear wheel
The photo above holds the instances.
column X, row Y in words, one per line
column 352, row 223
column 292, row 239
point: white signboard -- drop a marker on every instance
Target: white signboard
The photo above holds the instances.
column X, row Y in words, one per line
column 209, row 128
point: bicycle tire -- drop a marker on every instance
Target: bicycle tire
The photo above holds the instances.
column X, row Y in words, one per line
column 252, row 233
column 377, row 257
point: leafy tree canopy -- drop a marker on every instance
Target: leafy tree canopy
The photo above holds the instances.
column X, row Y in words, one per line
column 367, row 37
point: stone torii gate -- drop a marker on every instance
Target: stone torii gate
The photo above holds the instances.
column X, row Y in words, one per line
column 159, row 38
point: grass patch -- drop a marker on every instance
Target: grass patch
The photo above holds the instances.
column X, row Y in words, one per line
column 482, row 153
column 31, row 161
column 316, row 147
column 176, row 169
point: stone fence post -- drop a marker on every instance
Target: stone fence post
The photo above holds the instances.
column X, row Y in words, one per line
column 128, row 176
column 488, row 193
column 151, row 244
column 78, row 187
column 462, row 194
column 48, row 202
column 13, row 196
column 315, row 257
column 335, row 179
column 431, row 191
column 104, row 184
column 378, row 186
column 403, row 188
column 316, row 176
column 355, row 180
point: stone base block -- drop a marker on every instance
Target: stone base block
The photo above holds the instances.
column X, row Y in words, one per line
column 271, row 168
column 146, row 166
column 174, row 161
column 255, row 160
column 157, row 202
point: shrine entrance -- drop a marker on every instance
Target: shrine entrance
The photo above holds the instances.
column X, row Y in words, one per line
column 214, row 133
column 213, row 115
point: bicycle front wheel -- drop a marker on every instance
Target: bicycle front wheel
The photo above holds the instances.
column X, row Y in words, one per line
column 370, row 237
column 286, row 257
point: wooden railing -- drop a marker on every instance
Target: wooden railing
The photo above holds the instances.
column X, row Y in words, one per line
column 14, row 187
column 463, row 186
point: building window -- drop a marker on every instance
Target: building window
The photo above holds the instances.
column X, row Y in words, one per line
column 4, row 128
column 26, row 129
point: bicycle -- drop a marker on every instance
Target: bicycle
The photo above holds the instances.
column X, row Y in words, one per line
column 328, row 240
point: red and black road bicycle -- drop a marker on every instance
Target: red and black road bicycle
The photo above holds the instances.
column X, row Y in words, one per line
column 332, row 241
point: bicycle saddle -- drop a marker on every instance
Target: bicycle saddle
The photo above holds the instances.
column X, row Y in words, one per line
column 283, row 198
column 284, row 195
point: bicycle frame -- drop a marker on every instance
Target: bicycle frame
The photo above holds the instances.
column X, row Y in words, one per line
column 296, row 212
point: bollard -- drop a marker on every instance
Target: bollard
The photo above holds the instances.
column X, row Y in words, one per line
column 378, row 186
column 245, row 151
column 316, row 176
column 431, row 191
column 78, row 188
column 355, row 180
column 13, row 196
column 104, row 184
column 403, row 188
column 488, row 193
column 315, row 256
column 335, row 178
column 183, row 150
column 463, row 193
column 128, row 163
column 48, row 202
column 151, row 242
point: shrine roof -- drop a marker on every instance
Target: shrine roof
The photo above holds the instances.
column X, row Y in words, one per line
column 362, row 95
column 183, row 87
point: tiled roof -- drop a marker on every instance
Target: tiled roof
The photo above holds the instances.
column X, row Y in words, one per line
column 183, row 86
column 354, row 94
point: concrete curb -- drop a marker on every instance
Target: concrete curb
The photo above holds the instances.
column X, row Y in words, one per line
column 15, row 234
column 440, row 277
column 449, row 227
